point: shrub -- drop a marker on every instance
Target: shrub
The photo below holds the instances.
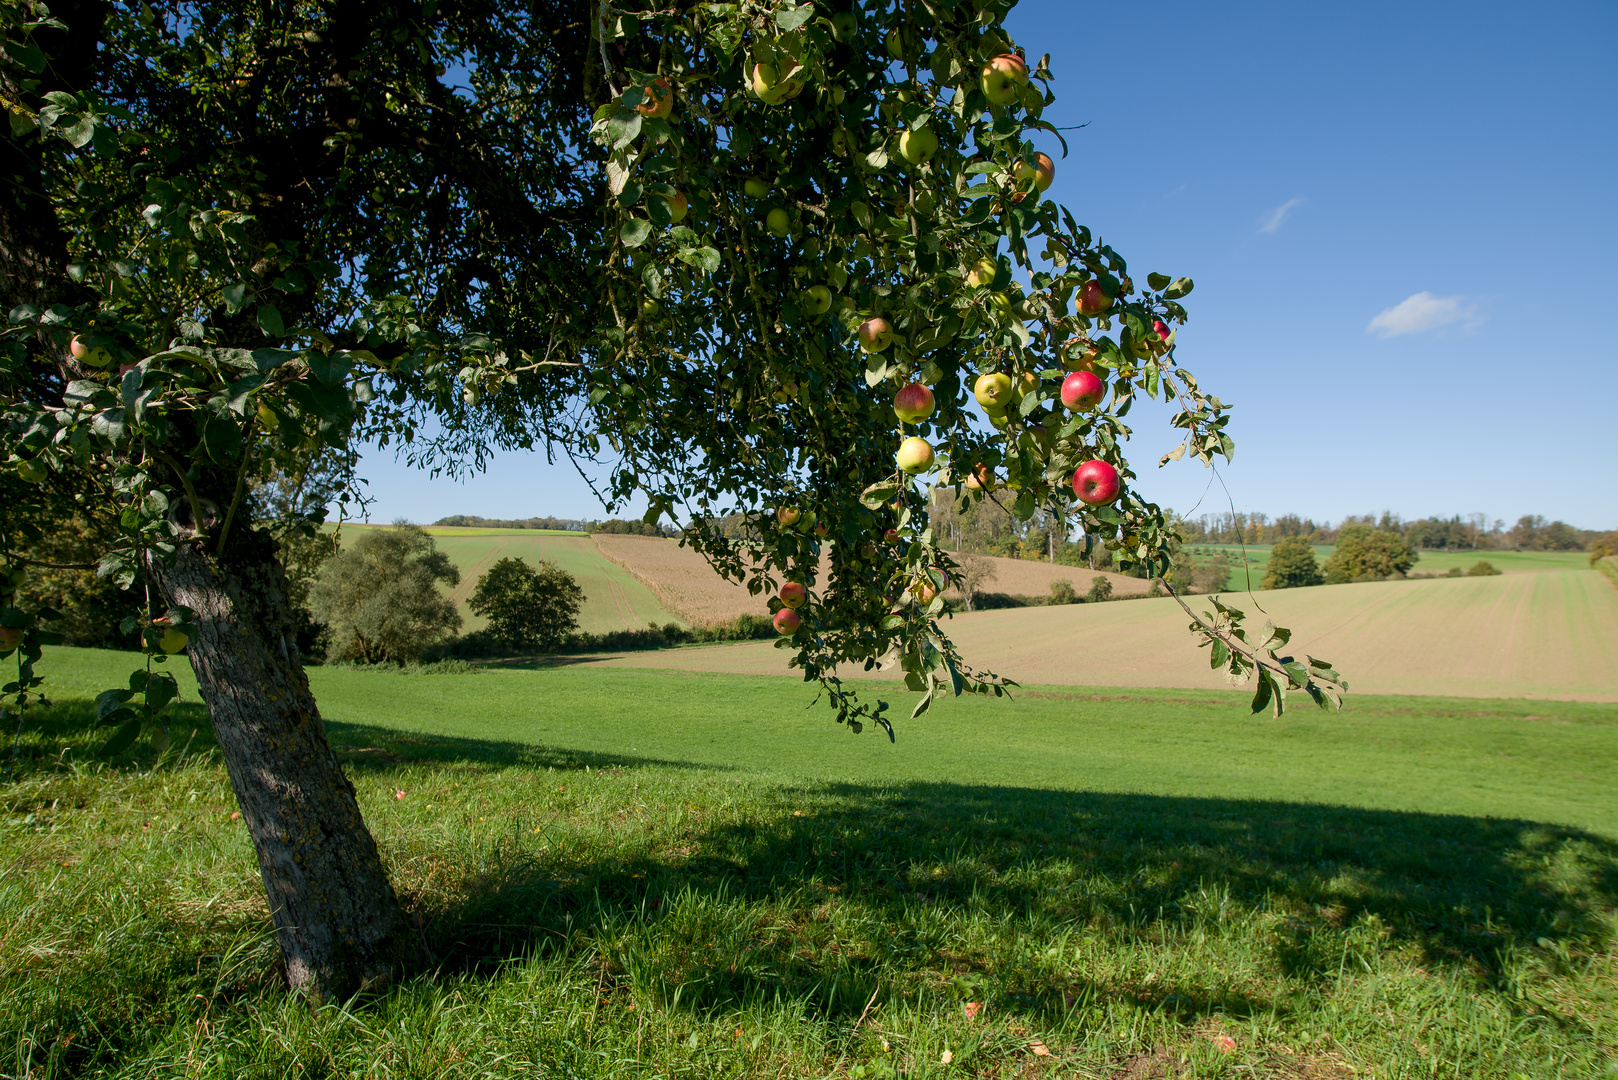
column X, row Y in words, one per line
column 1367, row 554
column 1062, row 592
column 380, row 597
column 1100, row 589
column 1292, row 565
column 1482, row 568
column 1211, row 576
column 528, row 608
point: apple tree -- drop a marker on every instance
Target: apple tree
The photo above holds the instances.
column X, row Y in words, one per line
column 755, row 258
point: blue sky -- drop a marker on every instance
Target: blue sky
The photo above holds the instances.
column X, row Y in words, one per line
column 1401, row 220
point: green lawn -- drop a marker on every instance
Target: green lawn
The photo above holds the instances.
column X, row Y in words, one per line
column 652, row 873
column 1431, row 562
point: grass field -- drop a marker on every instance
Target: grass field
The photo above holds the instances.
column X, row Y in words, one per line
column 643, row 873
column 614, row 599
column 1431, row 562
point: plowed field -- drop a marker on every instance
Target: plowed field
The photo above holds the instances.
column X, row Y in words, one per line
column 686, row 584
column 1547, row 635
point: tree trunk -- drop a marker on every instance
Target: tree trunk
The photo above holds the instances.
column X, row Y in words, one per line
column 336, row 917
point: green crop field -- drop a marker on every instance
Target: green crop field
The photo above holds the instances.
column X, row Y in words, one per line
column 1431, row 562
column 627, row 872
column 613, row 599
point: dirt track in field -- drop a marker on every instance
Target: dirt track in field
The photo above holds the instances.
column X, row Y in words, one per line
column 1546, row 635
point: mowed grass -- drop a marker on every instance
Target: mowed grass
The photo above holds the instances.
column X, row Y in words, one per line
column 613, row 599
column 1430, row 562
column 645, row 873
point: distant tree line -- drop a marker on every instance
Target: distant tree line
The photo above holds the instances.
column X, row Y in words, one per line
column 1474, row 532
column 615, row 525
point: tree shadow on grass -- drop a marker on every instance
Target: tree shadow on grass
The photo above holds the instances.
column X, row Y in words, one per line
column 913, row 863
column 1344, row 884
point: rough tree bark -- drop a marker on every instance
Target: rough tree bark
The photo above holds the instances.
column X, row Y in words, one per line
column 335, row 913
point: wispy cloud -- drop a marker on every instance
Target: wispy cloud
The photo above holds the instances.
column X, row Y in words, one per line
column 1275, row 218
column 1422, row 312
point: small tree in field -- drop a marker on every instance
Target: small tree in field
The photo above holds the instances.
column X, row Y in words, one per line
column 528, row 608
column 380, row 598
column 1100, row 589
column 1292, row 564
column 1367, row 554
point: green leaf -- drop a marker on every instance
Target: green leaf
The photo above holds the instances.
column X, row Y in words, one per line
column 1178, row 288
column 269, row 321
column 1218, row 655
column 704, row 258
column 160, row 690
column 235, row 296
column 122, row 739
column 329, row 369
column 635, row 232
column 879, row 494
column 1261, row 696
column 792, row 18
column 109, row 702
column 1157, row 281
column 221, row 438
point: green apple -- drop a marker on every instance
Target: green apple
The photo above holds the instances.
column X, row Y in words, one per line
column 844, row 25
column 918, row 145
column 788, row 516
column 89, row 355
column 778, row 221
column 1003, row 78
column 1042, row 170
column 993, row 391
column 816, row 300
column 982, row 273
column 875, row 334
column 915, row 455
column 756, row 188
column 174, row 641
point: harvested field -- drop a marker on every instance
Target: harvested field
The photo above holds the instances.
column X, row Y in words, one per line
column 1021, row 577
column 1549, row 635
column 686, row 584
column 680, row 578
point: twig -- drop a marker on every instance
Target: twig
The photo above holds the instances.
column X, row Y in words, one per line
column 1230, row 642
column 51, row 565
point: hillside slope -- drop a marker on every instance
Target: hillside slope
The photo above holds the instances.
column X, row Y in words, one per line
column 1551, row 635
column 613, row 598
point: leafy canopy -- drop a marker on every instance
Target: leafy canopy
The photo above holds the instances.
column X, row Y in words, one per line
column 288, row 229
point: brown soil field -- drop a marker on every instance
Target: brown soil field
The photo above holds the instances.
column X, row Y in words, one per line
column 1547, row 635
column 685, row 584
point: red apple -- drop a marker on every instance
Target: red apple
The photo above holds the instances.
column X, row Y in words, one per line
column 1095, row 482
column 913, row 403
column 788, row 516
column 1003, row 78
column 875, row 334
column 891, row 536
column 787, row 621
column 1093, row 299
column 677, row 206
column 657, row 100
column 793, row 594
column 1082, row 391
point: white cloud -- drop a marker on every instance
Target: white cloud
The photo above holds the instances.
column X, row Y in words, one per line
column 1274, row 219
column 1420, row 312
